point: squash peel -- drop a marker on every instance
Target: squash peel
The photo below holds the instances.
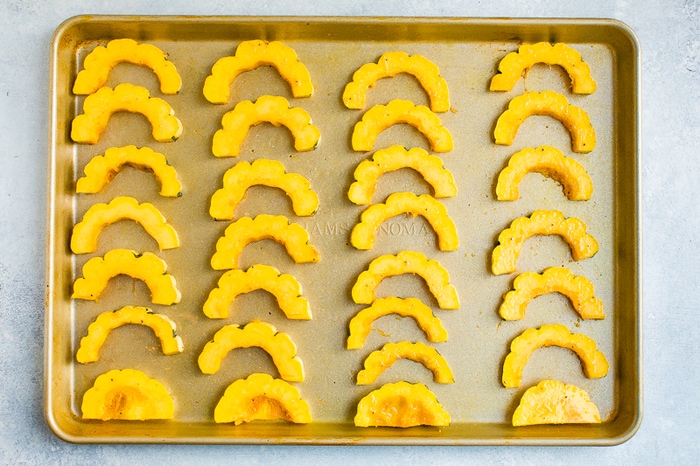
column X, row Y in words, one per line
column 401, row 404
column 364, row 233
column 103, row 59
column 514, row 64
column 266, row 109
column 552, row 402
column 361, row 324
column 594, row 363
column 262, row 172
column 260, row 397
column 378, row 361
column 278, row 345
column 380, row 117
column 247, row 230
column 102, row 168
column 541, row 222
column 250, row 55
column 99, row 107
column 434, row 274
column 284, row 287
column 98, row 331
column 546, row 103
column 389, row 65
column 146, row 267
column 395, row 158
column 98, row 216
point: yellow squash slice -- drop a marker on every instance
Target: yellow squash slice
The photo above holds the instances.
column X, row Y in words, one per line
column 550, row 162
column 127, row 395
column 546, row 103
column 530, row 285
column 364, row 233
column 514, row 64
column 99, row 107
column 262, row 172
column 380, row 117
column 146, row 267
column 87, row 231
column 395, row 158
column 278, row 345
column 434, row 274
column 284, row 287
column 98, row 331
column 260, row 397
column 101, row 60
column 378, row 361
column 103, row 168
column 389, row 65
column 401, row 404
column 266, row 109
column 250, row 55
column 361, row 324
column 552, row 402
column 247, row 230
column 595, row 365
column 541, row 222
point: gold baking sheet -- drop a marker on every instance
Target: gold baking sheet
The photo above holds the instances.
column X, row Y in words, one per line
column 467, row 51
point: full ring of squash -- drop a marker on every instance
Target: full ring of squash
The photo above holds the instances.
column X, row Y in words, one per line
column 278, row 345
column 389, row 65
column 103, row 168
column 99, row 107
column 265, row 172
column 406, row 262
column 364, row 233
column 102, row 59
column 98, row 331
column 146, row 267
column 594, row 363
column 266, row 109
column 98, row 216
column 380, row 117
column 378, row 361
column 401, row 404
column 546, row 103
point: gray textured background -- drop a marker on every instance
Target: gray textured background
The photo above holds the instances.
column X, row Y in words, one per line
column 669, row 32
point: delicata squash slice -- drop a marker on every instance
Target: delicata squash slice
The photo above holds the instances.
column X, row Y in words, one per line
column 378, row 361
column 102, row 59
column 361, row 324
column 550, row 162
column 380, row 117
column 364, row 233
column 284, row 287
column 530, row 285
column 99, row 107
column 87, row 231
column 401, row 404
column 247, row 230
column 595, row 365
column 389, row 65
column 127, row 395
column 146, row 267
column 541, row 222
column 250, row 55
column 553, row 402
column 546, row 103
column 260, row 397
column 395, row 158
column 514, row 64
column 98, row 331
column 266, row 109
column 265, row 172
column 434, row 274
column 278, row 345
column 103, row 168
